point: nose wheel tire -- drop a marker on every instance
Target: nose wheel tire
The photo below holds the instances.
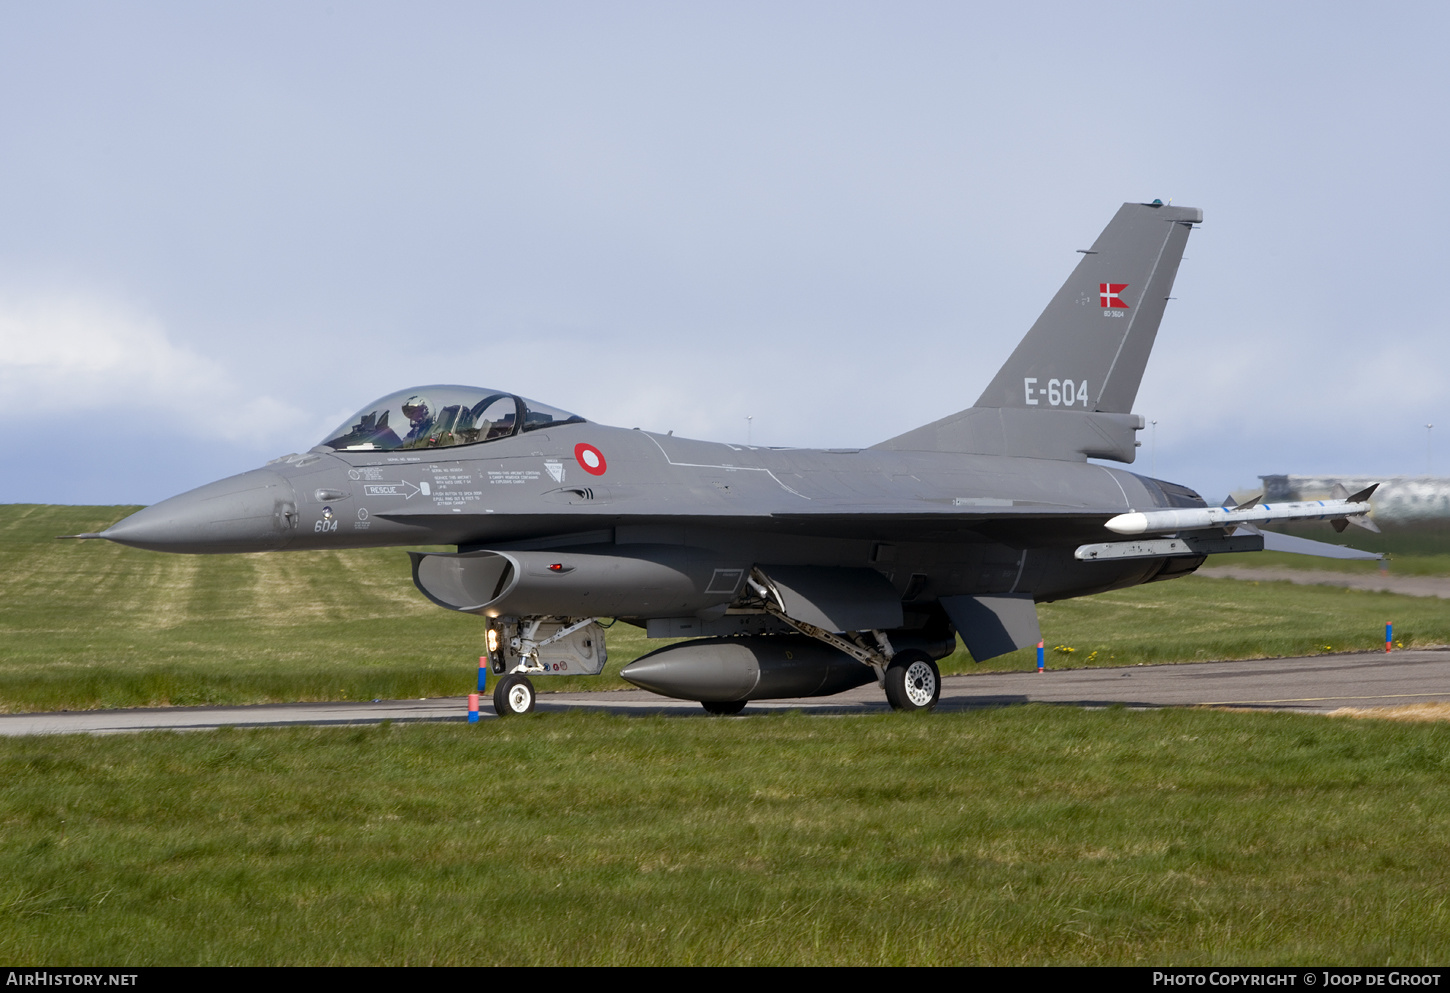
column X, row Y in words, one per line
column 723, row 709
column 514, row 694
column 913, row 682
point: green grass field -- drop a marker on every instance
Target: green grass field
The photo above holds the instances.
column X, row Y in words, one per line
column 1023, row 835
column 91, row 624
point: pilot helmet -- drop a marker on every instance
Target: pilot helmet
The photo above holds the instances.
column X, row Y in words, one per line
column 415, row 408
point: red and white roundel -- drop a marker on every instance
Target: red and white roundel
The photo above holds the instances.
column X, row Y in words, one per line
column 591, row 459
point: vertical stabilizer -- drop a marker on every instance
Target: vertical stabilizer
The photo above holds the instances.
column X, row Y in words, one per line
column 1093, row 339
column 1067, row 391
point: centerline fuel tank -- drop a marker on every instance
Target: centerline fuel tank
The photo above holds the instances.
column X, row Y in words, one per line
column 753, row 668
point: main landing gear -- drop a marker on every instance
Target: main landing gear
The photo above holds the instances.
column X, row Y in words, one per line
column 913, row 681
column 910, row 678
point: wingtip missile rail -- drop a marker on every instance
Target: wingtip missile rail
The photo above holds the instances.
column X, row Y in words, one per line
column 1352, row 509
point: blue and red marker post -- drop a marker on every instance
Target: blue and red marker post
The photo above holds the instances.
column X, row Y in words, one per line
column 482, row 688
column 1389, row 635
column 1041, row 660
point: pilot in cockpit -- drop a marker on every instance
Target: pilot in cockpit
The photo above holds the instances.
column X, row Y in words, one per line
column 420, row 415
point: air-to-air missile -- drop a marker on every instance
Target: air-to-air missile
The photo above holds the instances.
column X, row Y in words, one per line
column 1340, row 510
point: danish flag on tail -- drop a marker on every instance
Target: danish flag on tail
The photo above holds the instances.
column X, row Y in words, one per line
column 1108, row 293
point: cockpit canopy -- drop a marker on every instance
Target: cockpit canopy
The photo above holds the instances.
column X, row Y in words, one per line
column 442, row 417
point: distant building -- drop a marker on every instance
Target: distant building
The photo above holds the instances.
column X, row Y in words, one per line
column 1399, row 499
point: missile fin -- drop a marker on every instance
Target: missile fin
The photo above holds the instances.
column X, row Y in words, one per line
column 1364, row 494
column 1363, row 521
column 1339, row 523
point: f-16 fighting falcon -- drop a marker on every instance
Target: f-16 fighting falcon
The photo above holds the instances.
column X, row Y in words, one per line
column 791, row 572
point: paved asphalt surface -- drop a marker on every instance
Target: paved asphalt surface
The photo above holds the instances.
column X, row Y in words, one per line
column 1316, row 684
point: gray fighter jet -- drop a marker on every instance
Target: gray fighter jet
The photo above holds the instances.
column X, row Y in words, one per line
column 792, row 572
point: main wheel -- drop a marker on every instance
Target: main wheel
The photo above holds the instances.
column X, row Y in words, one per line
column 514, row 694
column 724, row 709
column 913, row 681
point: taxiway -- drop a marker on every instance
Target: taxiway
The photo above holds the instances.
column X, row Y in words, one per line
column 1313, row 684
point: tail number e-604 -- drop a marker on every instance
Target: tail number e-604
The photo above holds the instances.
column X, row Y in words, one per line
column 1058, row 392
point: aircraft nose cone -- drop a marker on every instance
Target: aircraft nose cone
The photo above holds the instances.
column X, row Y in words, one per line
column 252, row 512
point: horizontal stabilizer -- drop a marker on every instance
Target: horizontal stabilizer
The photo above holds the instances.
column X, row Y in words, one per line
column 1275, row 542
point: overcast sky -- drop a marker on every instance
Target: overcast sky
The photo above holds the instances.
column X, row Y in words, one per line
column 224, row 227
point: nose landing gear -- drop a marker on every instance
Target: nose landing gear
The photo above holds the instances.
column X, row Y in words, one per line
column 514, row 694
